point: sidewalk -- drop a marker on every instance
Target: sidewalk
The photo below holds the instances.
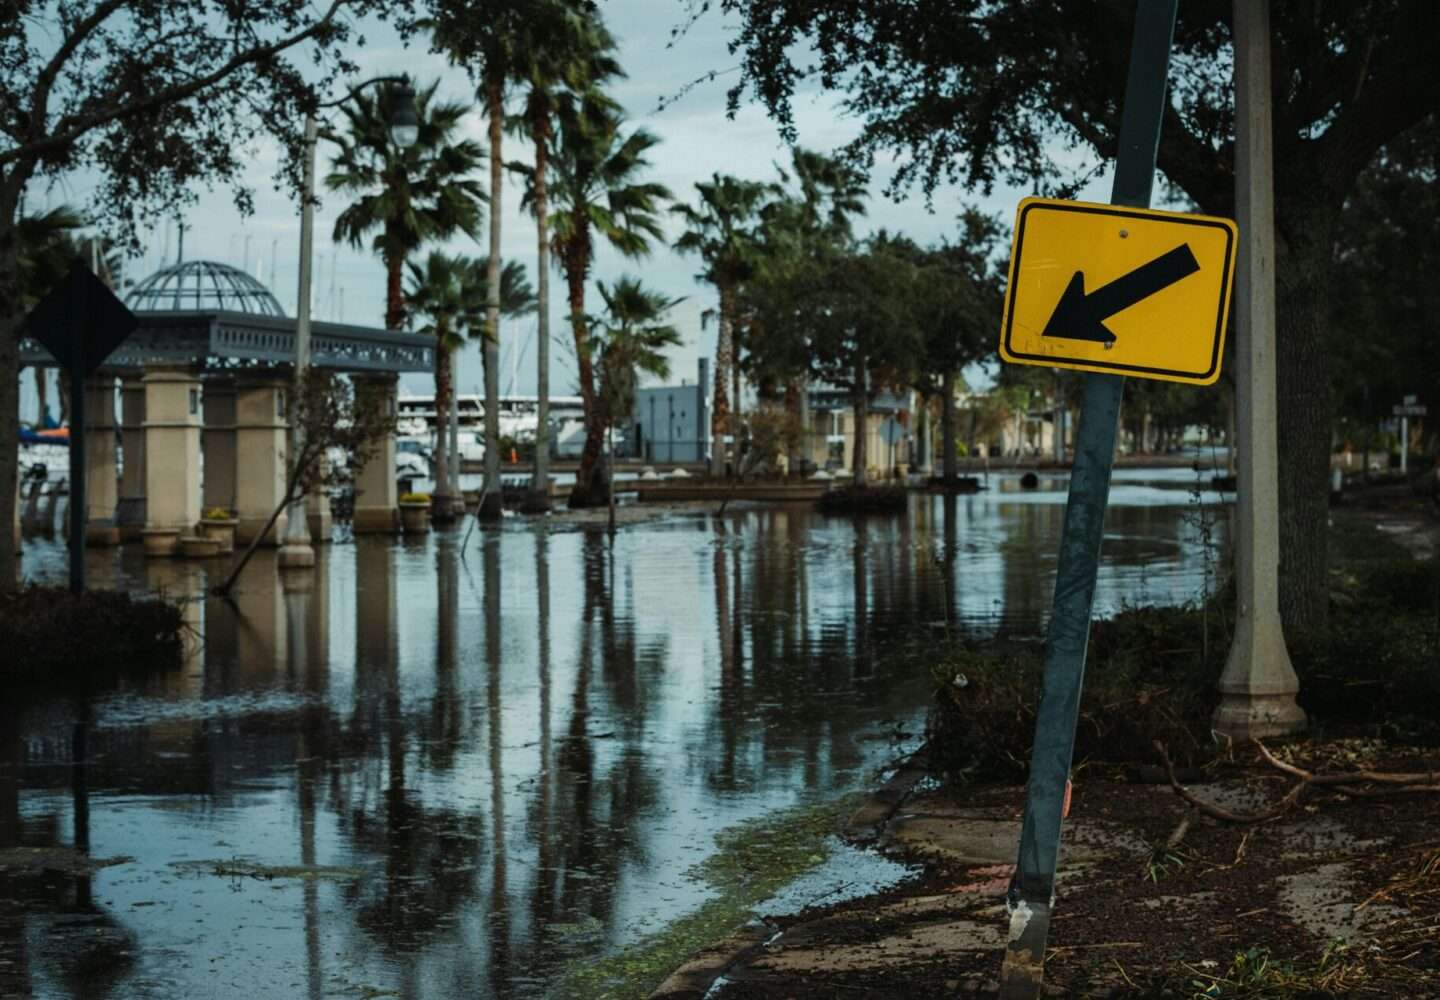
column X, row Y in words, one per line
column 1339, row 896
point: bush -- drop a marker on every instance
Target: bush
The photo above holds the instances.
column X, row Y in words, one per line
column 1151, row 674
column 863, row 500
column 54, row 638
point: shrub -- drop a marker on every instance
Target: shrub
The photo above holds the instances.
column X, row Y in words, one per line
column 863, row 500
column 54, row 638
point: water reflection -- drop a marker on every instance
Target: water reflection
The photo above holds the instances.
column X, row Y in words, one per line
column 463, row 774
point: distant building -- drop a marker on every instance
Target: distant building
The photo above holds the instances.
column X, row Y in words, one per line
column 830, row 438
column 672, row 422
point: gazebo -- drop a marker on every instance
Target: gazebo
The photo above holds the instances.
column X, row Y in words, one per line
column 203, row 384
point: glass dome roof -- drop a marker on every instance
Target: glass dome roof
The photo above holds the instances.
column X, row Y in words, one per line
column 202, row 286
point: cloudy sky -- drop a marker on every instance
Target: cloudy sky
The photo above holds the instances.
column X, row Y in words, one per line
column 697, row 140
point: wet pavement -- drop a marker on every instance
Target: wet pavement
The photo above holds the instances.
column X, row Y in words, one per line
column 418, row 775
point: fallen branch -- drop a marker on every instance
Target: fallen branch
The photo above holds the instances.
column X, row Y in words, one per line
column 1394, row 782
column 1350, row 778
column 1220, row 812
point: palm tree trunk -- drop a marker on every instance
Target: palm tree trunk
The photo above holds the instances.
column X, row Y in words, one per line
column 540, row 482
column 394, row 292
column 491, row 505
column 720, row 415
column 584, row 494
column 440, row 501
column 861, row 400
column 947, row 403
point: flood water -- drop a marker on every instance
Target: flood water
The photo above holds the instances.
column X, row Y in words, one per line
column 424, row 776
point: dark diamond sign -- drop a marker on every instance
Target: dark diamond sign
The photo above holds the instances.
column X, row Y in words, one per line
column 81, row 321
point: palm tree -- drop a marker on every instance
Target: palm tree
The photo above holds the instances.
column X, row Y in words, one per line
column 573, row 55
column 720, row 231
column 405, row 196
column 831, row 193
column 596, row 194
column 437, row 292
column 632, row 340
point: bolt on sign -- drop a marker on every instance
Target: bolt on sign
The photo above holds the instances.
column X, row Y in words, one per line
column 1118, row 290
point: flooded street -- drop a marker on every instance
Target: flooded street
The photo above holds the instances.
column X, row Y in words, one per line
column 413, row 774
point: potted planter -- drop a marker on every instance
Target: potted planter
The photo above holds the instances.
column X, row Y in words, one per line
column 217, row 524
column 415, row 513
column 161, row 542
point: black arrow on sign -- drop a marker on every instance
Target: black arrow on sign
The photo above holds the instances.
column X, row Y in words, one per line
column 1081, row 317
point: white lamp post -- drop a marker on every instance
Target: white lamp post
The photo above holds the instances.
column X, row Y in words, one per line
column 296, row 550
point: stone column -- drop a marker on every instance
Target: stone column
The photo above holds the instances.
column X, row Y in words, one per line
column 261, row 432
column 377, row 509
column 217, row 441
column 130, row 510
column 172, row 457
column 101, row 484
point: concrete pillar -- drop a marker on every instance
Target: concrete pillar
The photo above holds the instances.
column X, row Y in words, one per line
column 317, row 511
column 377, row 508
column 261, row 651
column 172, row 456
column 101, row 483
column 1258, row 685
column 130, row 509
column 261, row 432
column 217, row 442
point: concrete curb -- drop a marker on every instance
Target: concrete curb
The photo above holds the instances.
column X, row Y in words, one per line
column 694, row 979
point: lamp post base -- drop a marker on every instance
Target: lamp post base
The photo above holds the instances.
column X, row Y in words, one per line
column 1258, row 686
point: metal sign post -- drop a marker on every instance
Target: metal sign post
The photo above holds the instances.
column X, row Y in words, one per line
column 1032, row 890
column 1411, row 407
column 80, row 323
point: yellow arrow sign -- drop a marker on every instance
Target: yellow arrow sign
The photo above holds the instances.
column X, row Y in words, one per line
column 1126, row 291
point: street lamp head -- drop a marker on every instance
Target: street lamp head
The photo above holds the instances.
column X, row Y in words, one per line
column 404, row 122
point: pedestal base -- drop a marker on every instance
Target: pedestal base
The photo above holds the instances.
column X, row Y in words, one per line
column 293, row 556
column 376, row 521
column 101, row 535
column 247, row 528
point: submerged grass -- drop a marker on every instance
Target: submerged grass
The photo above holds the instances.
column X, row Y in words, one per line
column 753, row 861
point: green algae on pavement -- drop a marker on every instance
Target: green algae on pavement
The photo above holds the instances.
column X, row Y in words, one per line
column 244, row 868
column 753, row 861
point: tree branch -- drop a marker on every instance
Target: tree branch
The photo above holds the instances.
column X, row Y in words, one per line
column 76, row 128
column 39, row 109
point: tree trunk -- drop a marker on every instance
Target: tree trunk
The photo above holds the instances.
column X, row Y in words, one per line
column 793, row 408
column 861, row 398
column 1303, row 404
column 947, row 417
column 10, row 319
column 491, row 505
column 720, row 413
column 736, row 421
column 540, row 481
column 42, row 394
column 444, row 388
column 584, row 493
